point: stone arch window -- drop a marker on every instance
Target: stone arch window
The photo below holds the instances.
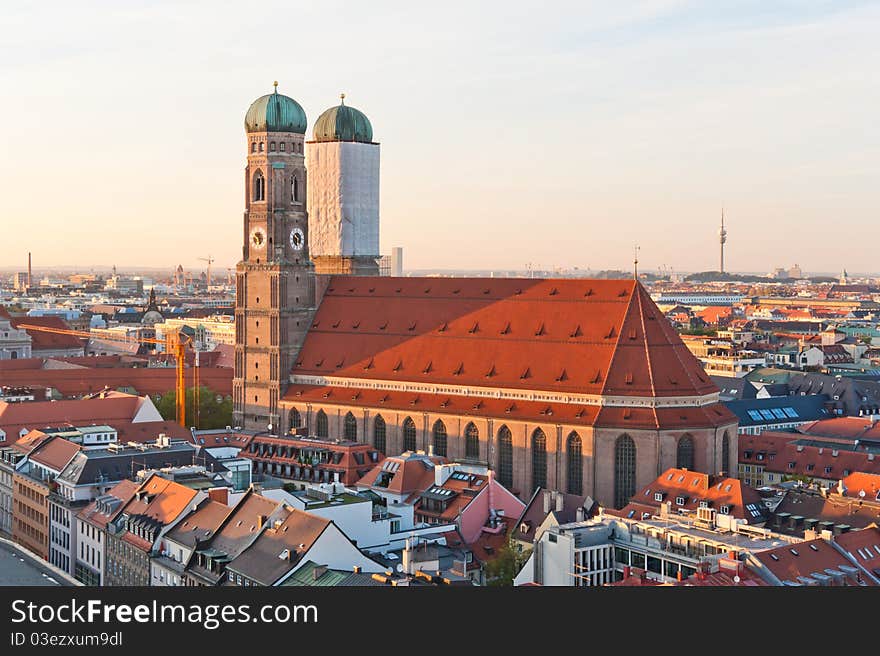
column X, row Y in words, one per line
column 471, row 441
column 282, row 146
column 379, row 433
column 575, row 468
column 295, row 418
column 684, row 454
column 260, row 147
column 725, row 453
column 253, row 146
column 624, row 470
column 505, row 457
column 294, row 189
column 322, row 426
column 409, row 434
column 259, row 186
column 439, row 438
column 272, row 147
column 350, row 427
column 539, row 459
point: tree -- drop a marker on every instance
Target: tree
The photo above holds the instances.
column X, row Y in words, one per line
column 501, row 570
column 212, row 413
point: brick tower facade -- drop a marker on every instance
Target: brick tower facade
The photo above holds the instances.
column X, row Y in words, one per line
column 275, row 281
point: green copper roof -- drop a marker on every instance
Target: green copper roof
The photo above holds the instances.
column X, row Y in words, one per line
column 343, row 123
column 275, row 113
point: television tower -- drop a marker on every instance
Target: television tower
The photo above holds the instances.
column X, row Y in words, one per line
column 722, row 237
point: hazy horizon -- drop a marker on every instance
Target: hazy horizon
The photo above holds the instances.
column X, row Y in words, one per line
column 511, row 133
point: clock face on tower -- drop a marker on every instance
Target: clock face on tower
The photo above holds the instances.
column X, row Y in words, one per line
column 258, row 238
column 297, row 239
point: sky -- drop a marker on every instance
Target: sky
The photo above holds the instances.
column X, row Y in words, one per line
column 556, row 134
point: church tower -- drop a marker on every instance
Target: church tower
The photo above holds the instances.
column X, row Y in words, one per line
column 275, row 282
column 343, row 193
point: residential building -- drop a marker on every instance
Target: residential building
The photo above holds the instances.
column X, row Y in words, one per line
column 549, row 508
column 771, row 458
column 705, row 497
column 290, row 541
column 305, row 460
column 168, row 566
column 811, row 563
column 15, row 343
column 136, row 532
column 91, row 531
column 250, row 515
column 778, row 413
column 670, row 549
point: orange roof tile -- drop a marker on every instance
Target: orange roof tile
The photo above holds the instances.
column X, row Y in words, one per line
column 55, row 453
column 43, row 341
column 160, row 499
column 691, row 488
column 568, row 335
column 803, row 559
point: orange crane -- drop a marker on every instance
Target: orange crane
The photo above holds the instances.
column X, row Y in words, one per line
column 179, row 356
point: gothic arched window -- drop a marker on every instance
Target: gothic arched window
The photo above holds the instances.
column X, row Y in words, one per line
column 322, row 425
column 409, row 434
column 294, row 190
column 725, row 454
column 295, row 418
column 379, row 433
column 350, row 428
column 684, row 456
column 471, row 442
column 259, row 186
column 539, row 459
column 505, row 457
column 439, row 438
column 624, row 470
column 575, row 473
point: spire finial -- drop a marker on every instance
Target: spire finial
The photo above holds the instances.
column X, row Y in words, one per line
column 636, row 261
column 275, row 84
column 342, row 98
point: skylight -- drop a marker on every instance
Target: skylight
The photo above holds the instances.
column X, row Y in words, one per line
column 791, row 412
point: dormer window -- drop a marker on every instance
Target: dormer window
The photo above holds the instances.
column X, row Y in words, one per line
column 724, row 510
column 658, row 496
column 679, row 501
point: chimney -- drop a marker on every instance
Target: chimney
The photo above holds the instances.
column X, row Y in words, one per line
column 29, row 269
column 579, row 514
column 318, row 572
column 356, row 569
column 626, row 572
column 560, row 500
column 547, row 501
column 430, row 449
column 219, row 494
column 261, row 519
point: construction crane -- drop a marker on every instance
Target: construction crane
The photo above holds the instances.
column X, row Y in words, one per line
column 179, row 355
column 210, row 261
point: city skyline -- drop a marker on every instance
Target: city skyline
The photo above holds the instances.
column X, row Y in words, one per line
column 640, row 118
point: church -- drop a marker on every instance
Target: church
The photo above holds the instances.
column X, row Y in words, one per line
column 572, row 384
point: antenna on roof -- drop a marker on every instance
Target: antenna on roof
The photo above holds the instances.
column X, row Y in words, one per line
column 636, row 262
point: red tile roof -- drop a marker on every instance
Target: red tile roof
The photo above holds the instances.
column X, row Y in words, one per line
column 863, row 547
column 693, row 488
column 55, row 453
column 851, row 427
column 777, row 452
column 40, row 414
column 804, row 559
column 567, row 335
column 405, row 474
column 160, row 499
column 43, row 341
column 145, row 380
column 861, row 485
column 124, row 491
